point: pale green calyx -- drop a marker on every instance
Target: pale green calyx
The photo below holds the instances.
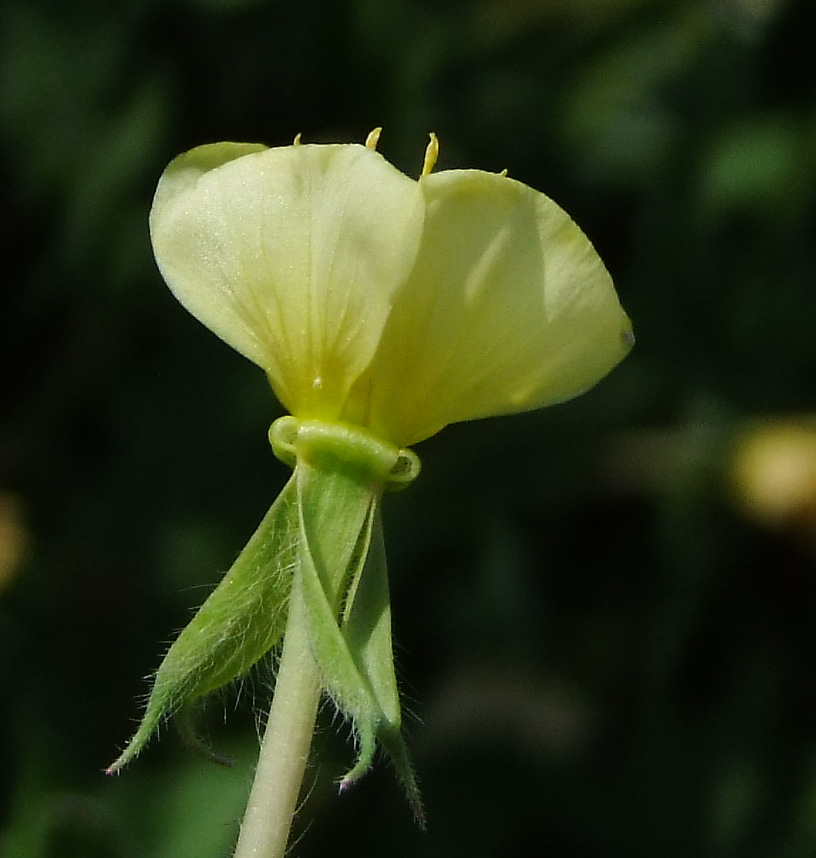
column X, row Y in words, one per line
column 324, row 532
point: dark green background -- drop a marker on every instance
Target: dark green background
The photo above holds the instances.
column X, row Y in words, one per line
column 603, row 656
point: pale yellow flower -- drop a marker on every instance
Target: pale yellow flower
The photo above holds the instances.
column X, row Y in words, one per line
column 370, row 298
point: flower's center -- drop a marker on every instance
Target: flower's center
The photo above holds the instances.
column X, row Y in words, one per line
column 341, row 446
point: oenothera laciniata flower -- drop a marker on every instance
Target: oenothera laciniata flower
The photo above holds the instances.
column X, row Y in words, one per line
column 381, row 309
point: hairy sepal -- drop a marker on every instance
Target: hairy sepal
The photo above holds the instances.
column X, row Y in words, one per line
column 345, row 591
column 241, row 620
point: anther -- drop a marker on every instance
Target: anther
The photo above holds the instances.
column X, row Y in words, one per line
column 431, row 154
column 373, row 138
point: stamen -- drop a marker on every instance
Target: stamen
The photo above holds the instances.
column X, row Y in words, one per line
column 373, row 138
column 504, row 172
column 296, row 141
column 431, row 154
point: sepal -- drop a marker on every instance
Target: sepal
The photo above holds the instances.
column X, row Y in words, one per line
column 241, row 620
column 344, row 582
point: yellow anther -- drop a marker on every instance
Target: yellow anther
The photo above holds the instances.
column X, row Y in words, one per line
column 373, row 138
column 296, row 141
column 431, row 154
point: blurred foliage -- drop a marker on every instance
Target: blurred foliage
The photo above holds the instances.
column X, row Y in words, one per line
column 609, row 651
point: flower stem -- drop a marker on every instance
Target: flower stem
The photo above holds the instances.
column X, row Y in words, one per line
column 285, row 747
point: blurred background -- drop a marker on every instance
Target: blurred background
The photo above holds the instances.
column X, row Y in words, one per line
column 605, row 612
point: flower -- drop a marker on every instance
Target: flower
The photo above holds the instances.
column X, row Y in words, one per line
column 382, row 308
column 373, row 299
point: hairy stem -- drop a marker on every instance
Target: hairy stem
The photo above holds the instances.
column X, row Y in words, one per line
column 285, row 748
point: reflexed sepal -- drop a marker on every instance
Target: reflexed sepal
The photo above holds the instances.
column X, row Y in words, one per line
column 325, row 528
column 242, row 619
column 340, row 476
column 366, row 627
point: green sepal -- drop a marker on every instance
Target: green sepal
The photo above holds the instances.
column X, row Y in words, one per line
column 345, row 591
column 241, row 620
column 366, row 626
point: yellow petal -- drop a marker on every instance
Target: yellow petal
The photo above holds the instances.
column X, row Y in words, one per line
column 291, row 255
column 508, row 308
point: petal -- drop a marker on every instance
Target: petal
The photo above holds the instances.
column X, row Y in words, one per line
column 509, row 308
column 291, row 256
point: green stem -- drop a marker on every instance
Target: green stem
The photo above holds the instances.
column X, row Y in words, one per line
column 285, row 747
